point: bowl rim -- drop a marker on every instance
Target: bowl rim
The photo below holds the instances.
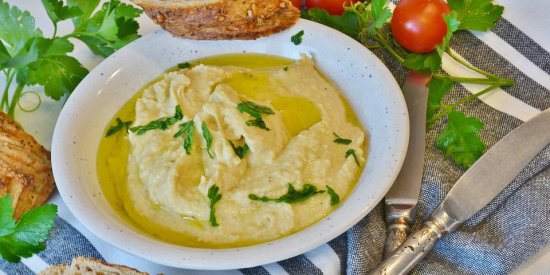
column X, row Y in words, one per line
column 104, row 226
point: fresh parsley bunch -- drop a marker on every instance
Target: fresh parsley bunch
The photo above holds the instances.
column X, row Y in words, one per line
column 28, row 235
column 28, row 58
column 368, row 23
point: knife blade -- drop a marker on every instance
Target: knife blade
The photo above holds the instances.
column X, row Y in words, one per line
column 474, row 190
column 401, row 199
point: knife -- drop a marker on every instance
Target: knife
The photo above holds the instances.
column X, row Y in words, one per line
column 400, row 201
column 474, row 190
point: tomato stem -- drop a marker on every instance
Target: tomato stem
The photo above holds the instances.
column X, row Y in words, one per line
column 380, row 38
column 476, row 80
column 450, row 108
column 454, row 56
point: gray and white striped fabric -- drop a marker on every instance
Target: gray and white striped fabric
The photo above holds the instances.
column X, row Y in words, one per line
column 497, row 240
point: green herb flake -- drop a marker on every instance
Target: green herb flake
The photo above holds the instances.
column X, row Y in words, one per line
column 207, row 138
column 184, row 65
column 256, row 111
column 159, row 124
column 285, row 68
column 215, row 197
column 240, row 151
column 340, row 140
column 297, row 38
column 334, row 197
column 26, row 236
column 351, row 152
column 187, row 130
column 119, row 125
column 292, row 196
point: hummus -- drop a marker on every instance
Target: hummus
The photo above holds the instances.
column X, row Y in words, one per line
column 168, row 185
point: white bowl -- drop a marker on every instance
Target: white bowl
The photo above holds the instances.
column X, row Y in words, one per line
column 366, row 83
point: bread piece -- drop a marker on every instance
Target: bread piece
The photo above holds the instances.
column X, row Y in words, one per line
column 221, row 19
column 88, row 266
column 25, row 168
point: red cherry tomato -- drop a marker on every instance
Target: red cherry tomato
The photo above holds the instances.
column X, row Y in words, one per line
column 334, row 7
column 418, row 25
column 297, row 3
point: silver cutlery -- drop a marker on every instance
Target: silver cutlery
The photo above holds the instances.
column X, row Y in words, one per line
column 400, row 201
column 473, row 191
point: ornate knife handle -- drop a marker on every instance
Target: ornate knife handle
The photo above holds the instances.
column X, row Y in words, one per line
column 399, row 219
column 418, row 245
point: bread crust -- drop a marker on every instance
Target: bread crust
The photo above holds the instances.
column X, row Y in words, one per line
column 25, row 168
column 216, row 20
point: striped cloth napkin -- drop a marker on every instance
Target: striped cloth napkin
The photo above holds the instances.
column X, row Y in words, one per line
column 498, row 240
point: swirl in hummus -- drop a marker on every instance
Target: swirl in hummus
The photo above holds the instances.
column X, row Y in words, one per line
column 168, row 182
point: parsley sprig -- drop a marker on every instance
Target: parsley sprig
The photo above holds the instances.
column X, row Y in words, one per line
column 187, row 130
column 119, row 126
column 159, row 124
column 256, row 111
column 27, row 58
column 292, row 195
column 215, row 197
column 367, row 22
column 22, row 238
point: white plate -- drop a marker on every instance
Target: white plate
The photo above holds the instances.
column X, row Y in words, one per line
column 365, row 81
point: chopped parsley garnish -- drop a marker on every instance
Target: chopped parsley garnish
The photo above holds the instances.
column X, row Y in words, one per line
column 28, row 235
column 334, row 198
column 292, row 196
column 351, row 152
column 184, row 65
column 257, row 112
column 297, row 38
column 187, row 130
column 285, row 68
column 214, row 197
column 119, row 125
column 340, row 140
column 240, row 151
column 207, row 138
column 161, row 123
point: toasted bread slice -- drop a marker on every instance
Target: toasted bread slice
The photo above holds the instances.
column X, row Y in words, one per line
column 88, row 266
column 221, row 19
column 25, row 168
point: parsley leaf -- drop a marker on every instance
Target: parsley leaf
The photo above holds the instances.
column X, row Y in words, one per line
column 340, row 140
column 437, row 89
column 58, row 12
column 184, row 65
column 26, row 236
column 17, row 28
column 380, row 15
column 187, row 130
column 109, row 29
column 256, row 111
column 292, row 195
column 297, row 38
column 477, row 15
column 215, row 197
column 53, row 68
column 459, row 139
column 347, row 23
column 207, row 138
column 430, row 62
column 119, row 125
column 7, row 223
column 240, row 151
column 452, row 25
column 351, row 152
column 334, row 198
column 161, row 123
